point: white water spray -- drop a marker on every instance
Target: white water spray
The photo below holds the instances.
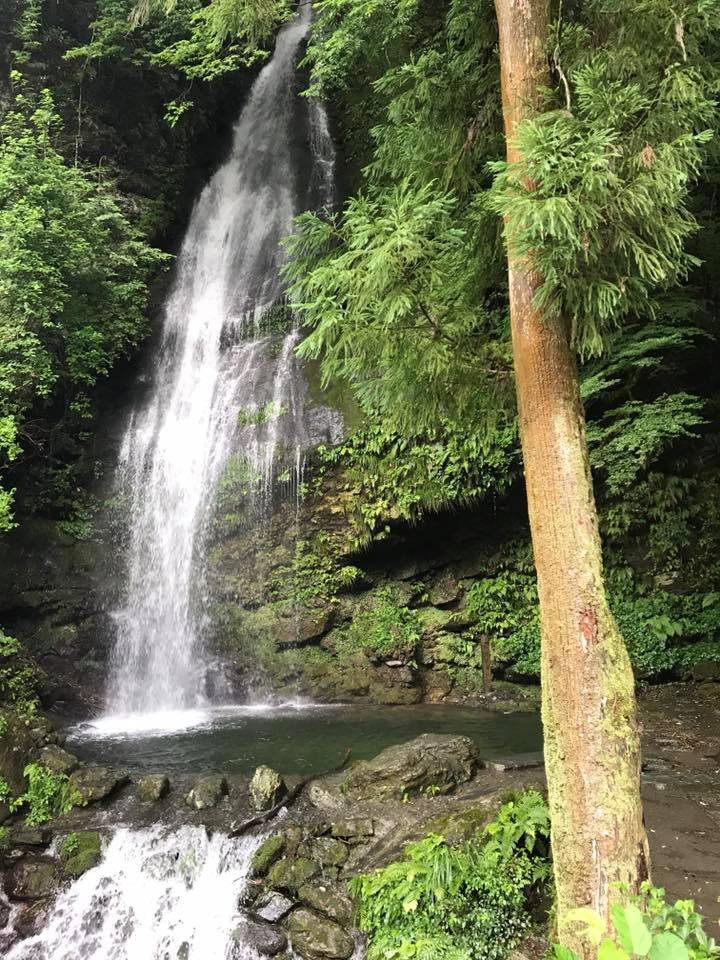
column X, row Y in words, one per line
column 156, row 895
column 218, row 392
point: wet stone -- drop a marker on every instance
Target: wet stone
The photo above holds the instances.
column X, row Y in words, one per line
column 80, row 852
column 31, row 880
column 440, row 761
column 264, row 938
column 267, row 853
column 95, row 783
column 31, row 836
column 58, row 761
column 273, row 907
column 267, row 788
column 315, row 937
column 153, row 788
column 328, row 851
column 328, row 900
column 352, row 829
column 289, row 874
column 207, row 792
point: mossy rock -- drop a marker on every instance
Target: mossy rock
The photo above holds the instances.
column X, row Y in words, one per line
column 329, row 900
column 266, row 854
column 461, row 825
column 316, row 937
column 152, row 788
column 80, row 852
column 328, row 851
column 31, row 880
column 290, row 875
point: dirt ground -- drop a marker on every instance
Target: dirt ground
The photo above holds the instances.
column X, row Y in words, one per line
column 681, row 792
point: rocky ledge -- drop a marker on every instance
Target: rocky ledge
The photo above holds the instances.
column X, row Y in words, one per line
column 330, row 830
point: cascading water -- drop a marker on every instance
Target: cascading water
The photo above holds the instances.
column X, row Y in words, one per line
column 220, row 399
column 156, row 895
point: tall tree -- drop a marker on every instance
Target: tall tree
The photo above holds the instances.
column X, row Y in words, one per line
column 592, row 748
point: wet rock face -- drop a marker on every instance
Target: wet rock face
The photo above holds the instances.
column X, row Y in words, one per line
column 31, row 879
column 153, row 788
column 264, row 938
column 266, row 854
column 290, row 874
column 79, row 853
column 272, row 907
column 437, row 762
column 315, row 937
column 207, row 792
column 328, row 900
column 96, row 783
column 57, row 760
column 267, row 788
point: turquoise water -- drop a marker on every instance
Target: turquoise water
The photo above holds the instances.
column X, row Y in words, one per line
column 298, row 739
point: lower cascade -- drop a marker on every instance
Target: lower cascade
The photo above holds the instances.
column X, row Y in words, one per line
column 156, row 895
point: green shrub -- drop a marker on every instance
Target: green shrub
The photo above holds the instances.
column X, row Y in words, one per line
column 387, row 629
column 18, row 682
column 468, row 902
column 48, row 795
column 647, row 926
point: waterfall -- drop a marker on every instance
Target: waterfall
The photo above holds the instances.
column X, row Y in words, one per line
column 222, row 396
column 155, row 895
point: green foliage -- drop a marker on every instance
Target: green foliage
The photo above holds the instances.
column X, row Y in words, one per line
column 386, row 629
column 397, row 477
column 602, row 195
column 70, row 845
column 238, row 481
column 314, row 574
column 255, row 416
column 459, row 903
column 18, row 682
column 351, row 31
column 201, row 41
column 646, row 926
column 390, row 294
column 47, row 795
column 250, row 21
column 664, row 630
column 73, row 280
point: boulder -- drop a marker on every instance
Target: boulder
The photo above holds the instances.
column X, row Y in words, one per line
column 266, row 854
column 706, row 670
column 273, row 906
column 328, row 851
column 328, row 900
column 95, row 783
column 440, row 761
column 354, row 830
column 80, row 852
column 307, row 626
column 315, row 937
column 57, row 760
column 262, row 937
column 290, row 875
column 445, row 590
column 153, row 788
column 24, row 836
column 267, row 788
column 325, row 795
column 207, row 792
column 31, row 880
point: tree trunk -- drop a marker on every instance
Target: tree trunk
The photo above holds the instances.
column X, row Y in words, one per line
column 486, row 658
column 592, row 751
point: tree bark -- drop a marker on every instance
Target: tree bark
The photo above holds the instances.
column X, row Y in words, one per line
column 592, row 750
column 486, row 658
